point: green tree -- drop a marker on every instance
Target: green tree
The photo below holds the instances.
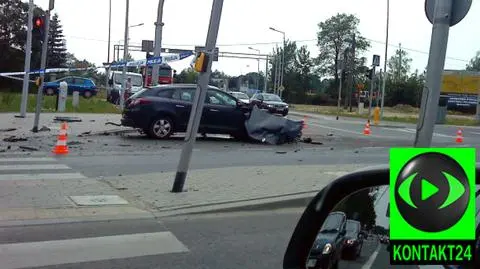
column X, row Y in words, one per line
column 303, row 74
column 474, row 64
column 334, row 36
column 187, row 75
column 57, row 48
column 289, row 66
column 399, row 65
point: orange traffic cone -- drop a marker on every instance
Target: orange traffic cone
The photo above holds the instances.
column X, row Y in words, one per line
column 304, row 123
column 366, row 130
column 459, row 138
column 61, row 147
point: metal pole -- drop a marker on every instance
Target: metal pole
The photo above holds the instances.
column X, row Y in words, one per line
column 283, row 67
column 352, row 72
column 200, row 94
column 370, row 99
column 265, row 86
column 436, row 63
column 339, row 95
column 43, row 63
column 258, row 73
column 107, row 69
column 158, row 41
column 399, row 76
column 384, row 80
column 125, row 55
column 28, row 56
column 275, row 79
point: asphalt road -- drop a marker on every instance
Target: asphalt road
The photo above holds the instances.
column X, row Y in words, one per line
column 228, row 240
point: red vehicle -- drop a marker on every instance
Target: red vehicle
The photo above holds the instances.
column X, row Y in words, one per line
column 165, row 74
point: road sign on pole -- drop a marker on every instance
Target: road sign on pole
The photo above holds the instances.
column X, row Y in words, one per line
column 198, row 102
column 147, row 45
column 445, row 13
column 215, row 55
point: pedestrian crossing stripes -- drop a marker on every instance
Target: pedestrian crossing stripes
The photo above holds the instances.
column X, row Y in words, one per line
column 35, row 168
column 56, row 252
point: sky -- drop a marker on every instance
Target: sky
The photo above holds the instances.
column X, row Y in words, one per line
column 245, row 23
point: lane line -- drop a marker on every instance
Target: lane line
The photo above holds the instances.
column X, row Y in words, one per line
column 47, row 253
column 372, row 258
column 27, row 159
column 30, row 167
column 47, row 176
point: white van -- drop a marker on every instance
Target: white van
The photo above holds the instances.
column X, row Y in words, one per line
column 116, row 81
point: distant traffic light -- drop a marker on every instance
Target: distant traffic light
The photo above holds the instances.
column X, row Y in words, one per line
column 39, row 26
column 369, row 73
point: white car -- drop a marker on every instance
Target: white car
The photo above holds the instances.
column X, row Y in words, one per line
column 243, row 97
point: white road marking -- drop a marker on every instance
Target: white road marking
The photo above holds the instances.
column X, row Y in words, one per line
column 346, row 131
column 56, row 176
column 18, row 167
column 475, row 133
column 372, row 258
column 47, row 253
column 27, row 159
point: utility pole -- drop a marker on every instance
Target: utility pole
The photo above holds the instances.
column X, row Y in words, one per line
column 275, row 79
column 385, row 74
column 352, row 72
column 342, row 71
column 265, row 84
column 107, row 68
column 198, row 102
column 399, row 68
column 43, row 64
column 125, row 55
column 157, row 51
column 283, row 67
column 370, row 99
column 28, row 56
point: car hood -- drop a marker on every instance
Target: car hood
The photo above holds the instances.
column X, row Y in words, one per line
column 275, row 103
column 323, row 239
column 244, row 100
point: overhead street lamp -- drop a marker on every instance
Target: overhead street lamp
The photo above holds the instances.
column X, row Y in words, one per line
column 258, row 67
column 283, row 58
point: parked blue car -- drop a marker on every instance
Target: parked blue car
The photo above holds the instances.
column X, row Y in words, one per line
column 86, row 87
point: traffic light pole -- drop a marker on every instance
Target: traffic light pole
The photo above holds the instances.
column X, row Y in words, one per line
column 198, row 102
column 43, row 64
column 28, row 56
column 370, row 98
column 436, row 63
column 125, row 54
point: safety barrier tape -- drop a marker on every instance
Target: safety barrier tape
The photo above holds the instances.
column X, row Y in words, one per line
column 148, row 62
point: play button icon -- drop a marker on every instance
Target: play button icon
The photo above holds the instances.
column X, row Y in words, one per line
column 428, row 189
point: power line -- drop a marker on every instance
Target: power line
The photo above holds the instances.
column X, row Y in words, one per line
column 279, row 43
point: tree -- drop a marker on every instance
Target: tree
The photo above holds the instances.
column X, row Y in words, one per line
column 187, row 75
column 334, row 36
column 399, row 65
column 359, row 206
column 303, row 71
column 57, row 50
column 474, row 64
column 289, row 66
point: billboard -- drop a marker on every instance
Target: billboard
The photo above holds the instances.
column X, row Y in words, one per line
column 460, row 82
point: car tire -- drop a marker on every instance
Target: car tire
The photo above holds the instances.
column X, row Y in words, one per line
column 87, row 94
column 49, row 91
column 285, row 113
column 161, row 128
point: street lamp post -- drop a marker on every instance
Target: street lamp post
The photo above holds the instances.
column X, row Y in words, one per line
column 384, row 80
column 258, row 67
column 282, row 65
column 157, row 51
column 125, row 54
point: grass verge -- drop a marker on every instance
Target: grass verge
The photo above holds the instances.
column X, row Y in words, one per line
column 399, row 116
column 10, row 102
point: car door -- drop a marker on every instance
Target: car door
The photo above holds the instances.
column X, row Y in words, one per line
column 182, row 99
column 221, row 113
column 70, row 84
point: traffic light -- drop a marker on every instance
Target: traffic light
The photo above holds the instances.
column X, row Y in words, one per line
column 39, row 26
column 369, row 73
column 201, row 62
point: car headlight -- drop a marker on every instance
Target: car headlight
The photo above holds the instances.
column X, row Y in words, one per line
column 350, row 241
column 269, row 106
column 286, row 106
column 327, row 248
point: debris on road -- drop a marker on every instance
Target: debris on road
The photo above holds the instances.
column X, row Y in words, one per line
column 8, row 130
column 84, row 134
column 307, row 140
column 74, row 143
column 28, row 148
column 267, row 128
column 281, row 152
column 67, row 119
column 14, row 139
column 112, row 123
column 44, row 129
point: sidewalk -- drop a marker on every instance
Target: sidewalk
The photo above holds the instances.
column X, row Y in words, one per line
column 149, row 195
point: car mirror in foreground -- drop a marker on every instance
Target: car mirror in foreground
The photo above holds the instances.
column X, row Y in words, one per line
column 318, row 240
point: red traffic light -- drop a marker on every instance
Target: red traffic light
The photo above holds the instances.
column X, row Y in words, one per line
column 38, row 22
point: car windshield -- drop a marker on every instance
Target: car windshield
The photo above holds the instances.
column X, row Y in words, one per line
column 353, row 227
column 240, row 95
column 271, row 97
column 332, row 223
column 136, row 80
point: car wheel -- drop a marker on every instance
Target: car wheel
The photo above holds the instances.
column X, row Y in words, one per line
column 285, row 113
column 87, row 94
column 49, row 91
column 161, row 128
